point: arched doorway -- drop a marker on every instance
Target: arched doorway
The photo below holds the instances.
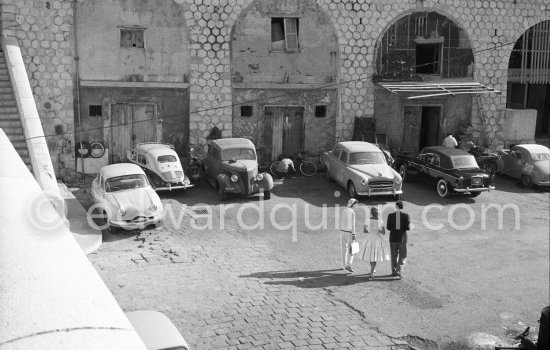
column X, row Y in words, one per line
column 529, row 76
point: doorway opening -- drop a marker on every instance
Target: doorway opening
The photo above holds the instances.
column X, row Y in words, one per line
column 427, row 58
column 283, row 131
column 420, row 127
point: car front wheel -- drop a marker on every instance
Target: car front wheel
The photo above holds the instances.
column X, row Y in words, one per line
column 403, row 172
column 443, row 188
column 351, row 190
column 526, row 181
column 221, row 191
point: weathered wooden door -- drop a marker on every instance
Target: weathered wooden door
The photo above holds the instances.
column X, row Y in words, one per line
column 121, row 132
column 143, row 126
column 130, row 124
column 411, row 128
column 284, row 131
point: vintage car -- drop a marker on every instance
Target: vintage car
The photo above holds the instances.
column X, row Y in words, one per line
column 124, row 199
column 231, row 166
column 530, row 163
column 362, row 169
column 156, row 330
column 161, row 165
column 454, row 170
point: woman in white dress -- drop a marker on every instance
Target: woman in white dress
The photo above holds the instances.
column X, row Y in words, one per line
column 376, row 247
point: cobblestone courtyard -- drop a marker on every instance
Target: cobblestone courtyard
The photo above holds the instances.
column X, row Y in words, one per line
column 200, row 280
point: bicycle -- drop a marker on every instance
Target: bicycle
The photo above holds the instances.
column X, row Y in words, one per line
column 305, row 167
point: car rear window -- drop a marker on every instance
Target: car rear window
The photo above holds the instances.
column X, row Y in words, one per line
column 464, row 162
column 238, row 153
column 125, row 182
column 168, row 158
column 540, row 156
column 367, row 158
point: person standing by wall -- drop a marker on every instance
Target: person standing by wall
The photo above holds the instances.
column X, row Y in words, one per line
column 398, row 225
column 347, row 234
column 450, row 141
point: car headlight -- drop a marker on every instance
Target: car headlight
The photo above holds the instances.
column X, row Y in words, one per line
column 459, row 180
column 260, row 177
column 234, row 178
column 364, row 182
column 153, row 207
column 121, row 212
column 398, row 180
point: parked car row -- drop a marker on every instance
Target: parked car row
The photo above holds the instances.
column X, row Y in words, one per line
column 126, row 196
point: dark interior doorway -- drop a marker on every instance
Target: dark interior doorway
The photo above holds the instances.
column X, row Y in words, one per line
column 429, row 126
column 427, row 58
column 420, row 127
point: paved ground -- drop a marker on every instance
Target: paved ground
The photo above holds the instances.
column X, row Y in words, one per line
column 234, row 287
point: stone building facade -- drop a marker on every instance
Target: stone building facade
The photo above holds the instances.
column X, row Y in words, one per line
column 46, row 33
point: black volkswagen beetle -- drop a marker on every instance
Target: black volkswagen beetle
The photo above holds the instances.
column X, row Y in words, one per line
column 453, row 170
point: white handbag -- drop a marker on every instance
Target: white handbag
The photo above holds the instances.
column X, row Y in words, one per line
column 354, row 247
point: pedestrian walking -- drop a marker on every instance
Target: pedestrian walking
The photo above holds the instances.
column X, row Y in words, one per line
column 450, row 141
column 376, row 247
column 348, row 235
column 398, row 225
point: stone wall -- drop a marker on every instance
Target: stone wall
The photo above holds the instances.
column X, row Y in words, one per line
column 44, row 30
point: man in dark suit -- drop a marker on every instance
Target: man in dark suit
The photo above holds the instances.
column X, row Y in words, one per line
column 398, row 225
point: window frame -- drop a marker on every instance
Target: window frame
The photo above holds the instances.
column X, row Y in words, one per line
column 287, row 22
column 133, row 31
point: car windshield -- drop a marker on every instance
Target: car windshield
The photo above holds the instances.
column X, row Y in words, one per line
column 464, row 162
column 125, row 182
column 238, row 154
column 540, row 156
column 367, row 158
column 168, row 158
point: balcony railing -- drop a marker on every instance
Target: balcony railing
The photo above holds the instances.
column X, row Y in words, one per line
column 532, row 76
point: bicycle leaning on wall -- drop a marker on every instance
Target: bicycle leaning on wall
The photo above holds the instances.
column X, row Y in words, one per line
column 296, row 164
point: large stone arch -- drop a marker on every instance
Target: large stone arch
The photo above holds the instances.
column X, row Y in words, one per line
column 528, row 85
column 407, row 14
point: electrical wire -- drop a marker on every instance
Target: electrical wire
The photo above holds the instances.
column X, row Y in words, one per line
column 271, row 97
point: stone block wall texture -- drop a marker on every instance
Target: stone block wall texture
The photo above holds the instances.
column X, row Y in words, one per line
column 44, row 30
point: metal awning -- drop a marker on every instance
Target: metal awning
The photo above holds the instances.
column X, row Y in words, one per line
column 422, row 90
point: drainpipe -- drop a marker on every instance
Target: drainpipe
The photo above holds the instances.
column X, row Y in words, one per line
column 77, row 86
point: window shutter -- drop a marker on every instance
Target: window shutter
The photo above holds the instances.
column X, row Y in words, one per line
column 291, row 33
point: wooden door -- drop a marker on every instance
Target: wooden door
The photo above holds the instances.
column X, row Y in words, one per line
column 283, row 131
column 411, row 128
column 121, row 130
column 143, row 126
column 293, row 135
column 130, row 124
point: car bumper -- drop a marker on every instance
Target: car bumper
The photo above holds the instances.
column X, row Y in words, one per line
column 379, row 192
column 542, row 183
column 171, row 187
column 469, row 190
column 140, row 225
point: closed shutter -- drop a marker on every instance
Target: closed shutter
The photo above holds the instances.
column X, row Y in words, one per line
column 291, row 33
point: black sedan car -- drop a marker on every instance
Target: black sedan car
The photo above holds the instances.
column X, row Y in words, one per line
column 453, row 170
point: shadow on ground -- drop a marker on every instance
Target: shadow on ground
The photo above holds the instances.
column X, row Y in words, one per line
column 316, row 279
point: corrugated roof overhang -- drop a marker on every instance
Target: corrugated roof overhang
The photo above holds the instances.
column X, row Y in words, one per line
column 410, row 90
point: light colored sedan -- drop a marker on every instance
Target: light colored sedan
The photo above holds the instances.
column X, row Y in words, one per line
column 362, row 169
column 124, row 198
column 529, row 162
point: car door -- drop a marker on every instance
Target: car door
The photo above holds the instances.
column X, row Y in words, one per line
column 341, row 167
column 512, row 163
column 333, row 162
column 435, row 169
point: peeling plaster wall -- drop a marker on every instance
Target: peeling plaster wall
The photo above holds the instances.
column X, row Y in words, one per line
column 165, row 57
column 319, row 132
